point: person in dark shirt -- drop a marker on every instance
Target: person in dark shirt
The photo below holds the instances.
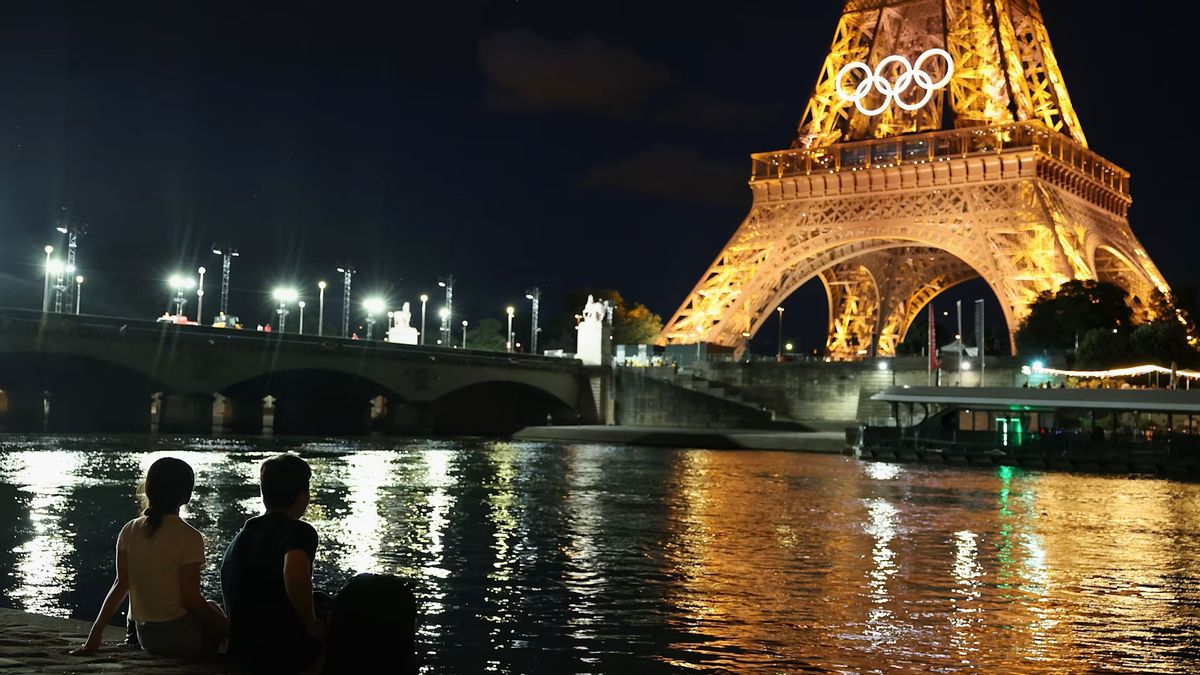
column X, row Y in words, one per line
column 266, row 578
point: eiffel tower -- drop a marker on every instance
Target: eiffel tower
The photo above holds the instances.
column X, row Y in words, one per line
column 939, row 145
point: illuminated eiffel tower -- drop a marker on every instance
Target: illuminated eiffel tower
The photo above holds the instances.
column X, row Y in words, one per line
column 939, row 145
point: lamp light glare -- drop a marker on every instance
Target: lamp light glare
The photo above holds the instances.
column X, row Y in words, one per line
column 374, row 305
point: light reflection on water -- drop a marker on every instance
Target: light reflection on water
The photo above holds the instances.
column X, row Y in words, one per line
column 585, row 558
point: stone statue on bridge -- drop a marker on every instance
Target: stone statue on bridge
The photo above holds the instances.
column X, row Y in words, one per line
column 400, row 331
column 593, row 334
column 595, row 311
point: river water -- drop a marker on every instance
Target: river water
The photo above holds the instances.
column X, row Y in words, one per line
column 532, row 557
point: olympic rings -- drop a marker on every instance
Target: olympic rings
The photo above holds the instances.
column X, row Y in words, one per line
column 910, row 74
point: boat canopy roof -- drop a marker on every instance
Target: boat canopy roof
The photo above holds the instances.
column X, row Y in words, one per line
column 1021, row 398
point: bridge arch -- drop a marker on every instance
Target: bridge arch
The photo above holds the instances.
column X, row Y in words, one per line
column 498, row 407
column 74, row 392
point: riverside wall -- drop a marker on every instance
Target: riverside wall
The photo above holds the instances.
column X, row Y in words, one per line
column 826, row 393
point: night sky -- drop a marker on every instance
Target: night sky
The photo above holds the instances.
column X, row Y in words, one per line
column 511, row 144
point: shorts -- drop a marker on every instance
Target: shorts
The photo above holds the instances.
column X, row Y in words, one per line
column 184, row 636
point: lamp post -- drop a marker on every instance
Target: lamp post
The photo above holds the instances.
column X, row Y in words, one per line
column 73, row 231
column 347, row 271
column 464, row 334
column 444, row 314
column 508, row 341
column 779, row 351
column 200, row 297
column 283, row 296
column 300, row 328
column 373, row 306
column 534, row 294
column 321, row 309
column 424, row 299
column 180, row 283
column 227, row 253
column 78, row 293
column 447, row 283
column 46, row 293
column 60, row 283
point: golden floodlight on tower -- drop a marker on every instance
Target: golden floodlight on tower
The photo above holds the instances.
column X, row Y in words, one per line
column 939, row 145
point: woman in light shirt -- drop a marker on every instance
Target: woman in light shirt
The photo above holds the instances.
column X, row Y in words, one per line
column 159, row 559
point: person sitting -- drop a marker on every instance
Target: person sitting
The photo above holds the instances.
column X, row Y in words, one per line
column 159, row 558
column 266, row 578
column 372, row 627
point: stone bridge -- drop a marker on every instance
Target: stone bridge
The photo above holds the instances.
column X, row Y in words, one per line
column 86, row 373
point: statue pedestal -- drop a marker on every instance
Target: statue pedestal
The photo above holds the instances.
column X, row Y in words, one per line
column 594, row 343
column 403, row 335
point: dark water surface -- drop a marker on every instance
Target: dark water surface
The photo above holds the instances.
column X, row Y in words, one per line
column 534, row 557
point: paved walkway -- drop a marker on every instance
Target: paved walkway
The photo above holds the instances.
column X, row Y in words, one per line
column 683, row 437
column 30, row 643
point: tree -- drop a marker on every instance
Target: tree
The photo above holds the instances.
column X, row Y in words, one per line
column 634, row 324
column 1101, row 348
column 1056, row 319
column 487, row 335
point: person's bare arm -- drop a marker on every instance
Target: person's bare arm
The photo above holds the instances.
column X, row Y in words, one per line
column 297, row 582
column 116, row 595
column 189, row 593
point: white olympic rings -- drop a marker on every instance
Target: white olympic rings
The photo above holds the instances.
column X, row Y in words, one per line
column 909, row 74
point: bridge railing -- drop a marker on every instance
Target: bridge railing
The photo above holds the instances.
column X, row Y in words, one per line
column 937, row 146
column 15, row 320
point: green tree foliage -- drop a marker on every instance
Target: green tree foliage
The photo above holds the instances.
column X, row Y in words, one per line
column 487, row 335
column 1098, row 314
column 1101, row 348
column 632, row 323
column 1077, row 307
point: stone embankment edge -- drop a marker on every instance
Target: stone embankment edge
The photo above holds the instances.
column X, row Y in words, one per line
column 34, row 643
column 829, row 441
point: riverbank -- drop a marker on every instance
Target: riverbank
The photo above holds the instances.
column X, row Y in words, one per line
column 32, row 643
column 823, row 441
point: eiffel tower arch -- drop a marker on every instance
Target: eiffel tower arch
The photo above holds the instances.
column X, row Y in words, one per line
column 939, row 145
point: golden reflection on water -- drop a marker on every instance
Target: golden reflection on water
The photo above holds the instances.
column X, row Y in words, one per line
column 689, row 559
column 437, row 481
column 41, row 571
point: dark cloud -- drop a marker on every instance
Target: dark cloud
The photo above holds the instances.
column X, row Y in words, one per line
column 672, row 173
column 528, row 72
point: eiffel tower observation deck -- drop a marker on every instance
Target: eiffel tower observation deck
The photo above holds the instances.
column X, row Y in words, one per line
column 939, row 145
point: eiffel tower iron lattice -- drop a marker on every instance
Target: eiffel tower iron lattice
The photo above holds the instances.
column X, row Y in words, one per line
column 889, row 204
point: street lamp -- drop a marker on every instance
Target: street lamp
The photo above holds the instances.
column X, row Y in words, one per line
column 321, row 309
column 180, row 283
column 283, row 296
column 300, row 329
column 424, row 299
column 464, row 334
column 227, row 253
column 200, row 297
column 347, row 271
column 534, row 294
column 444, row 315
column 883, row 365
column 46, row 293
column 78, row 292
column 508, row 343
column 779, row 351
column 73, row 231
column 373, row 306
column 448, row 284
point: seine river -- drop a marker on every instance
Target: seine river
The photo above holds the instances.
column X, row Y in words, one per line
column 534, row 557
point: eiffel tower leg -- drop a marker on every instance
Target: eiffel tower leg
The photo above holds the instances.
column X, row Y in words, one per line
column 853, row 310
